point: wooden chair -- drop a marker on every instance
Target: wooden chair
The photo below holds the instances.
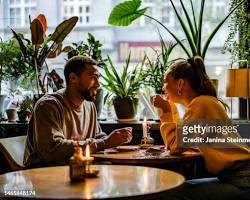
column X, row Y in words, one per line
column 13, row 150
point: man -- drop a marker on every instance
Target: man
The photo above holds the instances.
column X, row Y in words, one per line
column 68, row 117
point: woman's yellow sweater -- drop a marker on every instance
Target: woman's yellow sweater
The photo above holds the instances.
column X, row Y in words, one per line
column 203, row 107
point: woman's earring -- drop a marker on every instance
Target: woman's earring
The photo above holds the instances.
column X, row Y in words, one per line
column 179, row 92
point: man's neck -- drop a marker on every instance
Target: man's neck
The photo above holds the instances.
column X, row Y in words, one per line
column 74, row 98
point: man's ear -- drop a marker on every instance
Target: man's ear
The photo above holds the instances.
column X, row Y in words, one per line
column 73, row 77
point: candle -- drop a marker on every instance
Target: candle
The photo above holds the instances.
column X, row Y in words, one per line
column 89, row 159
column 77, row 167
column 144, row 127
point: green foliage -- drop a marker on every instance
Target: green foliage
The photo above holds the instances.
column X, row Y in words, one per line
column 13, row 66
column 16, row 65
column 28, row 82
column 124, row 84
column 125, row 13
column 154, row 75
column 91, row 48
column 26, row 104
column 238, row 41
column 25, row 109
column 43, row 46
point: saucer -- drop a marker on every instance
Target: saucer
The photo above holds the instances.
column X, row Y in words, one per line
column 127, row 148
column 126, row 120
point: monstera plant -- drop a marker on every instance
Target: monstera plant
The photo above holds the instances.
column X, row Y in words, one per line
column 126, row 12
column 42, row 46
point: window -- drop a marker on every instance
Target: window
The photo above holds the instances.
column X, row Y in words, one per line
column 166, row 12
column 71, row 10
column 28, row 11
column 152, row 9
column 13, row 2
column 87, row 9
column 219, row 12
column 80, row 9
column 15, row 16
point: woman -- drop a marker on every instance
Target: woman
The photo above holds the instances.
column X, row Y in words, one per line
column 187, row 83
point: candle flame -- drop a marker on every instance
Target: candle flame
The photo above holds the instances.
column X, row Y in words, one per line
column 87, row 151
column 145, row 119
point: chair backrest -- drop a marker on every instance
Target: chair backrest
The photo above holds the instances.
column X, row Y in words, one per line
column 13, row 151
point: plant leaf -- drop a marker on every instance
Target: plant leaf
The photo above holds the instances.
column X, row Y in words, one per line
column 188, row 19
column 55, row 51
column 185, row 29
column 217, row 28
column 198, row 41
column 37, row 36
column 67, row 49
column 179, row 41
column 125, row 13
column 194, row 18
column 63, row 29
column 43, row 21
column 20, row 42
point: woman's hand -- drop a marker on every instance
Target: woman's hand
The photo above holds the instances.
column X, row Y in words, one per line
column 160, row 102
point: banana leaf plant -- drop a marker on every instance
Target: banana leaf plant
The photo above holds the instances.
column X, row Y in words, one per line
column 125, row 84
column 126, row 12
column 41, row 46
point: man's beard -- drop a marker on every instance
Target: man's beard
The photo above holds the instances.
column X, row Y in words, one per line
column 87, row 96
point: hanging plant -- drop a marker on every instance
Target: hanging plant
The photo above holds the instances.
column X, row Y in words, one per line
column 238, row 41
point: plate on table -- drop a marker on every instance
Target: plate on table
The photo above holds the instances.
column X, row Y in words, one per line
column 126, row 120
column 127, row 148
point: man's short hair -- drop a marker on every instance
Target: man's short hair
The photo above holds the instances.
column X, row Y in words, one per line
column 76, row 65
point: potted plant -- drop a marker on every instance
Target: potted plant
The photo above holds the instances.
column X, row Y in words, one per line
column 12, row 65
column 238, row 44
column 123, row 87
column 126, row 12
column 238, row 39
column 41, row 46
column 25, row 109
column 92, row 49
column 154, row 73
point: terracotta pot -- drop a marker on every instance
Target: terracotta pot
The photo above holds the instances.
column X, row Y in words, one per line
column 11, row 114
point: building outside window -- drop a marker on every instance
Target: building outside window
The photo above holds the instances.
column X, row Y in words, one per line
column 19, row 11
column 80, row 8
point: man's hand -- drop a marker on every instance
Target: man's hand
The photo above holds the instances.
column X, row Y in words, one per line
column 118, row 137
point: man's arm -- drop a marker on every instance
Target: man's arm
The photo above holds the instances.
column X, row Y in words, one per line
column 51, row 142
